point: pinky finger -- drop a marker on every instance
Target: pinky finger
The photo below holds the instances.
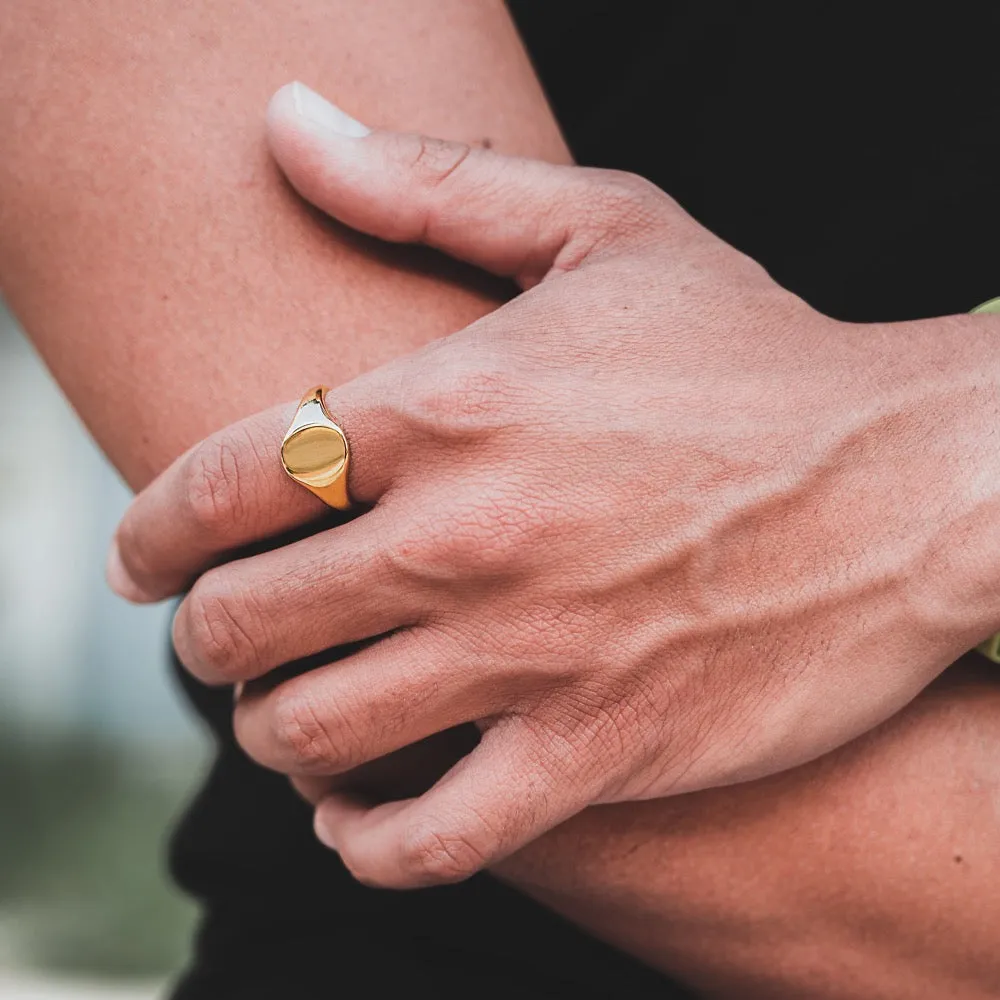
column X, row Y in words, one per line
column 492, row 802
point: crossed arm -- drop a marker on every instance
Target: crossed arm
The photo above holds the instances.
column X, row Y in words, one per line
column 174, row 284
column 169, row 276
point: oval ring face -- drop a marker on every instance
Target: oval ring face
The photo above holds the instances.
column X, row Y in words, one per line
column 315, row 455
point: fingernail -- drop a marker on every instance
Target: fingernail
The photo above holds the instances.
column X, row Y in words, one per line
column 323, row 833
column 319, row 111
column 119, row 580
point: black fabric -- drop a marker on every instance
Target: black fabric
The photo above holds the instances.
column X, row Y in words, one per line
column 284, row 919
column 854, row 153
column 851, row 149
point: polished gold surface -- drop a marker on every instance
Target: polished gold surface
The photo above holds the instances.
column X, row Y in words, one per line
column 315, row 452
column 314, row 456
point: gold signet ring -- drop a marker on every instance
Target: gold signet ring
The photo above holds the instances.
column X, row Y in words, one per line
column 315, row 452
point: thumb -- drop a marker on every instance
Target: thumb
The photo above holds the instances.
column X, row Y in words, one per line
column 511, row 216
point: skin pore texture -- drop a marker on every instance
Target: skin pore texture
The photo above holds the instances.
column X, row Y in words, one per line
column 151, row 249
column 174, row 283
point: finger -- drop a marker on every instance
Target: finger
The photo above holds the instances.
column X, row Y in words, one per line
column 494, row 801
column 231, row 490
column 400, row 775
column 245, row 618
column 218, row 496
column 515, row 217
column 313, row 790
column 391, row 694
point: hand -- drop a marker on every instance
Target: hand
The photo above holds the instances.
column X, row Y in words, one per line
column 655, row 525
column 840, row 872
column 832, row 880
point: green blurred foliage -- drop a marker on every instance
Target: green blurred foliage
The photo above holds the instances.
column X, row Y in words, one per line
column 82, row 835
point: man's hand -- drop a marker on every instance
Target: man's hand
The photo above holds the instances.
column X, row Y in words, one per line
column 655, row 525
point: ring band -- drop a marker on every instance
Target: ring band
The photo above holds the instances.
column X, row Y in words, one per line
column 315, row 452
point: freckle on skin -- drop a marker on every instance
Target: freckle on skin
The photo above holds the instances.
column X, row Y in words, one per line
column 958, row 859
column 487, row 143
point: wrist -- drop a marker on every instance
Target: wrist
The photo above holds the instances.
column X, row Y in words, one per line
column 941, row 380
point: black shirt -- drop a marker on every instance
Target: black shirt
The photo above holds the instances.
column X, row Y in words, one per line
column 856, row 156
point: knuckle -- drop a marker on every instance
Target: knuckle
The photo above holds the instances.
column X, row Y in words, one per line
column 221, row 633
column 436, row 160
column 489, row 531
column 445, row 547
column 305, row 733
column 601, row 722
column 487, row 536
column 432, row 857
column 628, row 188
column 630, row 201
column 413, row 555
column 588, row 727
column 460, row 406
column 216, row 467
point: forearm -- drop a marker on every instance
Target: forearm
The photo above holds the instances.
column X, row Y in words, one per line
column 869, row 873
column 169, row 276
column 175, row 284
column 872, row 872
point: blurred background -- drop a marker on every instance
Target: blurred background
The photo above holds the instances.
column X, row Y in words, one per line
column 97, row 754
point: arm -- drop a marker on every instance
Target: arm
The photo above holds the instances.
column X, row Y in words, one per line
column 870, row 873
column 128, row 250
column 169, row 276
column 632, row 893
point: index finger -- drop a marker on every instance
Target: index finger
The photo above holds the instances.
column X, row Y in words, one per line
column 225, row 493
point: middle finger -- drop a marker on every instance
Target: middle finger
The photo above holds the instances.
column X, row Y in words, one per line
column 392, row 694
column 247, row 617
